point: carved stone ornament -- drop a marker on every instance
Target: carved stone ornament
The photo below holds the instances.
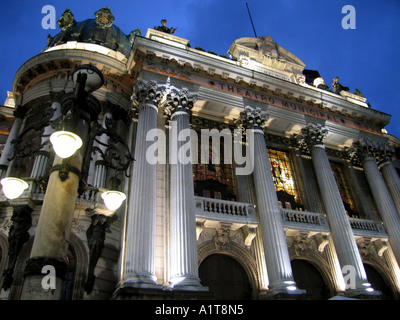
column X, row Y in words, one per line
column 252, row 118
column 66, row 20
column 312, row 134
column 364, row 148
column 221, row 238
column 179, row 100
column 104, row 17
column 148, row 92
column 96, row 235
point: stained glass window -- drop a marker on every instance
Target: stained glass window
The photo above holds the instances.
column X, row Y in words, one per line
column 213, row 180
column 285, row 180
column 344, row 190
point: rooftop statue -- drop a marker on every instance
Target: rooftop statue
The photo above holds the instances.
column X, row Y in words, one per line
column 66, row 20
column 337, row 87
column 358, row 92
column 165, row 29
column 320, row 83
column 104, row 17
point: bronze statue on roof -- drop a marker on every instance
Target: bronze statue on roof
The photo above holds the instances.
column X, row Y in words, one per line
column 165, row 29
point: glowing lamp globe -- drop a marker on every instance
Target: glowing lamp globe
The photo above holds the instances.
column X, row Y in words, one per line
column 65, row 143
column 13, row 187
column 113, row 199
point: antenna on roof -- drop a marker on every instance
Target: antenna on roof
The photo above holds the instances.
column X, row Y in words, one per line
column 254, row 29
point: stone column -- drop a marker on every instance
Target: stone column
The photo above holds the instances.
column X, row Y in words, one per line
column 272, row 233
column 365, row 150
column 139, row 269
column 7, row 153
column 389, row 173
column 342, row 235
column 183, row 273
column 40, row 164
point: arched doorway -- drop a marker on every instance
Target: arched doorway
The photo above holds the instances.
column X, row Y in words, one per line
column 225, row 278
column 308, row 278
column 378, row 282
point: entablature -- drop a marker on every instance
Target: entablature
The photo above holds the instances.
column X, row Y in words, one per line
column 218, row 71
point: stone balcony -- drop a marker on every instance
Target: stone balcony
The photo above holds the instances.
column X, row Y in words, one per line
column 212, row 212
column 233, row 212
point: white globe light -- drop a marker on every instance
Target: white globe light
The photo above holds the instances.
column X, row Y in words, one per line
column 65, row 143
column 13, row 187
column 113, row 199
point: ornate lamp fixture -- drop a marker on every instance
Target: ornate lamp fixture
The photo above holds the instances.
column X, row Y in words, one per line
column 87, row 78
column 79, row 108
column 113, row 199
column 13, row 187
column 65, row 143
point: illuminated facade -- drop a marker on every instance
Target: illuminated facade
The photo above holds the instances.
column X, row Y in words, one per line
column 315, row 216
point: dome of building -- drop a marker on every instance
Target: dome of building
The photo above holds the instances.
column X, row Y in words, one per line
column 100, row 30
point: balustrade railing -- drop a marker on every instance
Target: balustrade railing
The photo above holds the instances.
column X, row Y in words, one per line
column 304, row 220
column 224, row 209
column 363, row 226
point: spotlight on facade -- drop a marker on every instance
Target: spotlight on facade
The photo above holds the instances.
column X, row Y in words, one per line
column 113, row 199
column 65, row 143
column 291, row 288
column 13, row 187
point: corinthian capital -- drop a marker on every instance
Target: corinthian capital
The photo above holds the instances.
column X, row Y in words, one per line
column 149, row 92
column 252, row 118
column 364, row 148
column 179, row 100
column 311, row 135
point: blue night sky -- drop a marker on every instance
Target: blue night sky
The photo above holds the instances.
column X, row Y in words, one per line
column 366, row 57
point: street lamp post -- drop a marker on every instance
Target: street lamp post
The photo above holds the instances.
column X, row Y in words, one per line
column 80, row 109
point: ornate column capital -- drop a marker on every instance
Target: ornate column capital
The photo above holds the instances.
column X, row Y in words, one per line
column 148, row 93
column 179, row 100
column 311, row 135
column 252, row 118
column 365, row 148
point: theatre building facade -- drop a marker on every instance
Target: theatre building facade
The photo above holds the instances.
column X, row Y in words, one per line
column 245, row 175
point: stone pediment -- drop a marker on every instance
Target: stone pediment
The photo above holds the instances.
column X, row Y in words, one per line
column 265, row 52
